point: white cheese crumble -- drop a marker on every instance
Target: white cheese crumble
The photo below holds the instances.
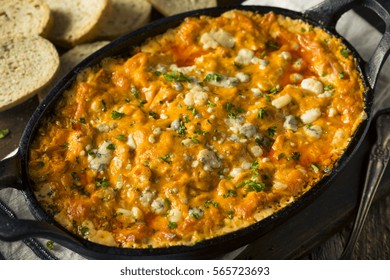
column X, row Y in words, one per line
column 256, row 151
column 131, row 142
column 242, row 77
column 146, row 197
column 217, row 37
column 332, row 112
column 256, row 92
column 175, row 215
column 310, row 115
column 244, row 56
column 159, row 206
column 100, row 158
column 195, row 212
column 296, row 77
column 314, row 131
column 313, row 85
column 235, row 172
column 209, row 159
column 290, row 123
column 281, row 101
column 196, row 96
column 285, row 55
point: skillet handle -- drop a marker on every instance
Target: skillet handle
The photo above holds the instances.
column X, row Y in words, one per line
column 13, row 229
column 328, row 13
column 382, row 51
column 10, row 175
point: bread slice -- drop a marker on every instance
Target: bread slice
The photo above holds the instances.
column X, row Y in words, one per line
column 27, row 64
column 24, row 18
column 75, row 21
column 124, row 16
column 172, row 7
column 69, row 60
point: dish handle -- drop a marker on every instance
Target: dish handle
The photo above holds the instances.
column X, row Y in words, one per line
column 328, row 13
column 10, row 171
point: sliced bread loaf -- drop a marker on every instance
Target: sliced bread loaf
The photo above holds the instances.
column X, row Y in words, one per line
column 27, row 64
column 24, row 18
column 75, row 21
column 172, row 7
column 69, row 60
column 124, row 16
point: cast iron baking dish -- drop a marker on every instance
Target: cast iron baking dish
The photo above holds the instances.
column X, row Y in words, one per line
column 14, row 170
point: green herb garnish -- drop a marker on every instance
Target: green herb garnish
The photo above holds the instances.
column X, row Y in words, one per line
column 213, row 77
column 172, row 225
column 166, row 158
column 252, row 185
column 230, row 193
column 176, row 76
column 344, row 52
column 50, row 245
column 115, row 115
column 3, row 133
column 296, row 155
column 121, row 137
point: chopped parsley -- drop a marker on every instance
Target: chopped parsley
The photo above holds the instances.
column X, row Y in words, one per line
column 230, row 193
column 273, row 90
column 213, row 77
column 281, row 155
column 271, row 131
column 193, row 110
column 296, row 156
column 102, row 182
column 84, row 230
column 135, row 92
column 315, row 167
column 121, row 137
column 272, row 45
column 232, row 110
column 344, row 52
column 261, row 113
column 342, row 75
column 210, row 202
column 230, row 214
column 50, row 245
column 65, row 145
column 82, row 120
column 252, row 185
column 211, row 104
column 172, row 225
column 166, row 158
column 3, row 133
column 111, row 147
column 176, row 76
column 115, row 115
column 182, row 128
column 141, row 103
column 265, row 142
column 154, row 115
column 75, row 176
column 328, row 87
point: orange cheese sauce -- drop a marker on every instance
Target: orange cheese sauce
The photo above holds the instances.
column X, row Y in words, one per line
column 203, row 130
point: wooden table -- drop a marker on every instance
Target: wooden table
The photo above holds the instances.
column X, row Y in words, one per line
column 317, row 232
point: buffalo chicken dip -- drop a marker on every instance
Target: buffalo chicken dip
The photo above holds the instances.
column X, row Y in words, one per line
column 201, row 131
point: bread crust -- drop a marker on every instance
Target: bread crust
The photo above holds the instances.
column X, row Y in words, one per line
column 27, row 64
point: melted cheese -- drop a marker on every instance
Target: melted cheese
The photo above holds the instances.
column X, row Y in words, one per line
column 204, row 130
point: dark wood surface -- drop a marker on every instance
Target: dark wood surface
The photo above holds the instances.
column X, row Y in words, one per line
column 319, row 231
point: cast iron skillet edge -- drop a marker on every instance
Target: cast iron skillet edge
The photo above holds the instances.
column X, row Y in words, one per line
column 12, row 230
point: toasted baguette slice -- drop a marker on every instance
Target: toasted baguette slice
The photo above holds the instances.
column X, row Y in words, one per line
column 75, row 21
column 172, row 7
column 27, row 64
column 24, row 18
column 124, row 16
column 69, row 60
